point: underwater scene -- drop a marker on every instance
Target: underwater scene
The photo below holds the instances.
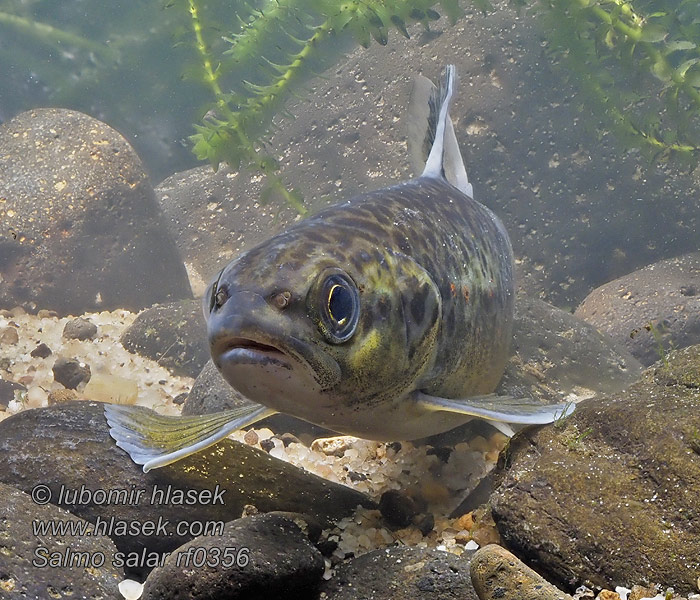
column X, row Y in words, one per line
column 350, row 300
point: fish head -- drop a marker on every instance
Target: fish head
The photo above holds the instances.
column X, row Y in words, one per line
column 322, row 337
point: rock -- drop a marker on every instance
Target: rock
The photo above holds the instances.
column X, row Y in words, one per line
column 41, row 351
column 174, row 334
column 9, row 336
column 402, row 573
column 61, row 396
column 616, row 483
column 211, row 221
column 210, row 393
column 79, row 329
column 71, row 447
column 82, row 230
column 269, row 557
column 497, row 574
column 70, row 372
column 38, row 565
column 651, row 310
column 7, row 391
column 398, row 508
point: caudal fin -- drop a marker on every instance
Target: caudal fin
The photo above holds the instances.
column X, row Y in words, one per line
column 431, row 137
column 155, row 440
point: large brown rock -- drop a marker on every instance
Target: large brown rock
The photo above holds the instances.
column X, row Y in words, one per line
column 67, row 447
column 609, row 496
column 651, row 310
column 81, row 228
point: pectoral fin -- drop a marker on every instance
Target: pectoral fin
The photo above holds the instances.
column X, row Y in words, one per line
column 154, row 440
column 492, row 407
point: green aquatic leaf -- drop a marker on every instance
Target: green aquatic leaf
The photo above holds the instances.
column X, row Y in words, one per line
column 652, row 32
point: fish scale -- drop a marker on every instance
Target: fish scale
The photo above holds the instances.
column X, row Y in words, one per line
column 388, row 316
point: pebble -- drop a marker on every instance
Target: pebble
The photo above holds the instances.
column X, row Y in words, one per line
column 333, row 446
column 61, row 396
column 9, row 336
column 398, row 508
column 80, row 329
column 41, row 351
column 70, row 372
column 250, row 438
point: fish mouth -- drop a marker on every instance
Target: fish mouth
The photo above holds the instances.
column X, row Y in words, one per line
column 241, row 350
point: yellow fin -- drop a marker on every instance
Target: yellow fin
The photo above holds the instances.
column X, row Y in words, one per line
column 155, row 440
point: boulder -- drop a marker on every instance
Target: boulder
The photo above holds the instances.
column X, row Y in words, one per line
column 253, row 558
column 650, row 311
column 609, row 496
column 67, row 448
column 82, row 230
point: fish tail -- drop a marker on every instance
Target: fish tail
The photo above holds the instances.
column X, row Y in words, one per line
column 431, row 133
column 155, row 440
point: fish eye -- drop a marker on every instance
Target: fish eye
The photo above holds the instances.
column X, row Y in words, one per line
column 218, row 294
column 340, row 312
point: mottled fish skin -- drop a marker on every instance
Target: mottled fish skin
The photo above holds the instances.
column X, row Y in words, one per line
column 434, row 270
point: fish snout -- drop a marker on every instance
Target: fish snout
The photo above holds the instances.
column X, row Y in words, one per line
column 235, row 320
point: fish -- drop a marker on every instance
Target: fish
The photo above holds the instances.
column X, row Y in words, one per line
column 388, row 316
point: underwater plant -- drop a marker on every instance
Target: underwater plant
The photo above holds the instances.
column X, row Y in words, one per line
column 637, row 64
column 275, row 49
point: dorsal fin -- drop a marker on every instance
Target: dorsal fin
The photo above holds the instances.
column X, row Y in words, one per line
column 431, row 133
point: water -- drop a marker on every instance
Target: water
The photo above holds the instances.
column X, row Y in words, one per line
column 583, row 199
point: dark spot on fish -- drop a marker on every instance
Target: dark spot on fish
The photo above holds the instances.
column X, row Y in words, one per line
column 316, row 236
column 366, row 320
column 450, row 322
column 418, row 304
column 465, row 293
column 383, row 307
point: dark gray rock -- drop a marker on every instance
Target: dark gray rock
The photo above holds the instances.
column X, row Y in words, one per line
column 41, row 351
column 38, row 565
column 210, row 393
column 609, row 496
column 69, row 445
column 82, row 230
column 70, row 372
column 402, row 573
column 79, row 329
column 7, row 391
column 398, row 508
column 498, row 575
column 651, row 310
column 174, row 334
column 268, row 556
